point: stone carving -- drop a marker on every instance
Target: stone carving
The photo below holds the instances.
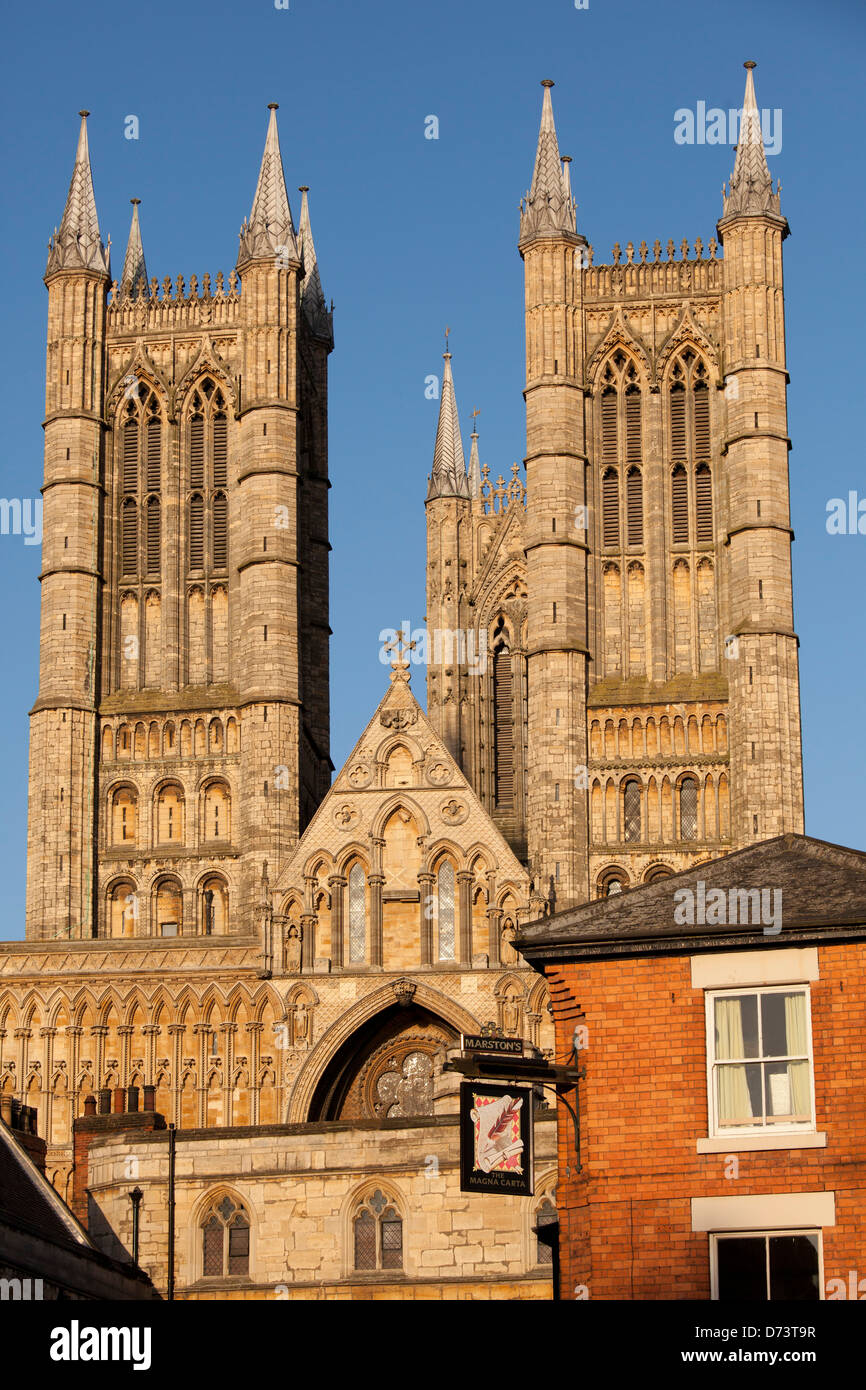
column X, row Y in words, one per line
column 360, row 775
column 437, row 773
column 345, row 815
column 398, row 719
column 301, row 1024
column 453, row 812
column 507, row 954
column 293, row 950
column 405, row 992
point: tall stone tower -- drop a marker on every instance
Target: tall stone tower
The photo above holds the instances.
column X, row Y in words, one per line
column 179, row 742
column 640, row 711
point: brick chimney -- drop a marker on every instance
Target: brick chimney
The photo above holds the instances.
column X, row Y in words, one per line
column 21, row 1119
column 123, row 1118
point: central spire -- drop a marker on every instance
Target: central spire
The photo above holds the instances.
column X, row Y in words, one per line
column 269, row 232
column 448, row 478
column 77, row 243
column 548, row 209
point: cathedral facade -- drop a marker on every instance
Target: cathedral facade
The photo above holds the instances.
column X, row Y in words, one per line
column 612, row 695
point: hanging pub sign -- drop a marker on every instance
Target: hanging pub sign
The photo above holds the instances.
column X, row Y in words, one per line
column 496, row 1153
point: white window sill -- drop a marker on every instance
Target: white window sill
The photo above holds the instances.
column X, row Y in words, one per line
column 754, row 1143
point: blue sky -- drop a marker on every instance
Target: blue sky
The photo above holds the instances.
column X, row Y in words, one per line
column 413, row 234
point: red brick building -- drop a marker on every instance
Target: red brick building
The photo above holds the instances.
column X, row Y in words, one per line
column 719, row 1015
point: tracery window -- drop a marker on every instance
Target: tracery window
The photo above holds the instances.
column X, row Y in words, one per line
column 690, row 450
column 140, row 478
column 225, row 1235
column 378, row 1234
column 357, row 913
column 631, row 806
column 503, row 720
column 445, row 910
column 545, row 1215
column 207, row 477
column 688, row 809
column 621, row 452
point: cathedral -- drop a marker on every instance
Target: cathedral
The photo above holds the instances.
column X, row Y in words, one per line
column 279, row 959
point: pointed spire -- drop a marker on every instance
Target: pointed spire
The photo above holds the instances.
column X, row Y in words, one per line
column 318, row 316
column 77, row 244
column 751, row 189
column 133, row 281
column 548, row 209
column 474, row 461
column 448, row 478
column 269, row 232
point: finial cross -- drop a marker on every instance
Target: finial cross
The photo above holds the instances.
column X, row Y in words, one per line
column 400, row 647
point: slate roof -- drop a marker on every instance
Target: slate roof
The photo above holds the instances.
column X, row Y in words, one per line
column 823, row 889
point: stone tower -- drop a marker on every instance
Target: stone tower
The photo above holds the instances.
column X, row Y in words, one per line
column 640, row 707
column 179, row 741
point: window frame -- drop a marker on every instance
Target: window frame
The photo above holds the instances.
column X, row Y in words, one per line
column 767, row 1234
column 734, row 1132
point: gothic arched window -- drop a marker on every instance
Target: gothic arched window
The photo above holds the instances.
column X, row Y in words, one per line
column 445, row 910
column 680, row 505
column 225, row 1240
column 357, row 914
column 207, row 476
column 503, row 724
column 704, row 503
column 377, row 1234
column 631, row 811
column 688, row 809
column 634, row 506
column 545, row 1215
column 610, row 509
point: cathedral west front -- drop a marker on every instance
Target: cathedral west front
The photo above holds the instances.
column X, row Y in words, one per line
column 281, row 955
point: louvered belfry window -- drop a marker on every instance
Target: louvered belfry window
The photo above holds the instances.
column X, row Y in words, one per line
column 608, row 427
column 704, row 503
column 610, row 509
column 634, row 505
column 207, row 479
column 702, row 421
column 690, row 445
column 196, row 532
column 632, row 426
column 154, row 453
column 129, row 538
column 130, row 456
column 680, row 505
column 678, row 421
column 503, row 727
column 153, row 535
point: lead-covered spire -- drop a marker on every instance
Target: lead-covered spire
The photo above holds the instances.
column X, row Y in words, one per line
column 548, row 208
column 751, row 188
column 133, row 281
column 269, row 232
column 318, row 316
column 77, row 244
column 448, row 478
